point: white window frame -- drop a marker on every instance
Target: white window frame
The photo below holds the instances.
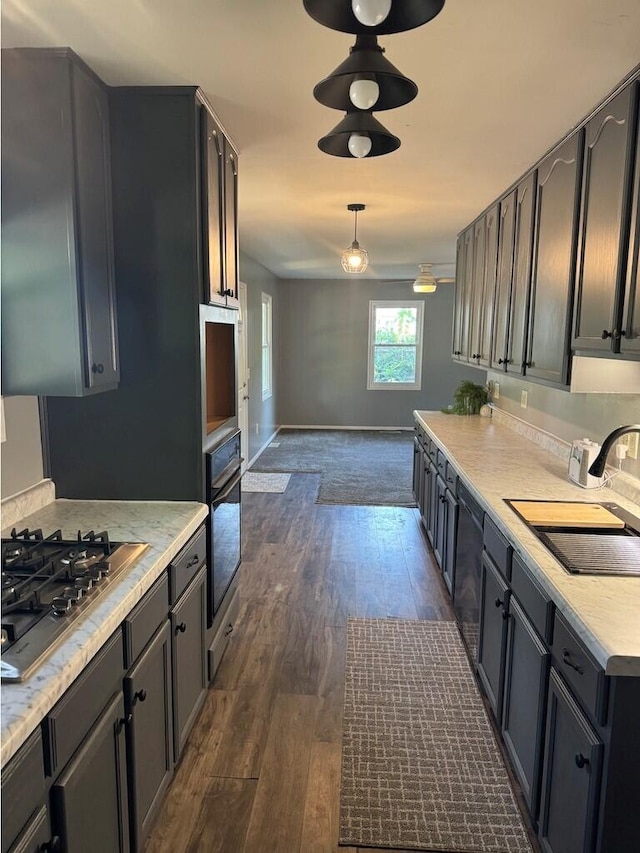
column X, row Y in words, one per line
column 267, row 346
column 395, row 386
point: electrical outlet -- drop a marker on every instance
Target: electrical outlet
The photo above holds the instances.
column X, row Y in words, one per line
column 630, row 441
column 257, row 429
column 496, row 390
column 524, row 399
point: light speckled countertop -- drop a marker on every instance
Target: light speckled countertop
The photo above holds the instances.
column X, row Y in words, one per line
column 495, row 462
column 166, row 526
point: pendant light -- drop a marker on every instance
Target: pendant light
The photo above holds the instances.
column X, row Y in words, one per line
column 358, row 135
column 376, row 17
column 355, row 259
column 426, row 281
column 366, row 80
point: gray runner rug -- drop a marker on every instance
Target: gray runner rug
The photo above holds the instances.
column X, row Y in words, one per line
column 421, row 768
column 361, row 467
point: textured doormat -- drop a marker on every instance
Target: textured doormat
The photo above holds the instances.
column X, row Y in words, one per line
column 275, row 483
column 362, row 467
column 421, row 768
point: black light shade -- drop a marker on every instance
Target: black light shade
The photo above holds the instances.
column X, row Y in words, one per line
column 404, row 15
column 362, row 123
column 366, row 60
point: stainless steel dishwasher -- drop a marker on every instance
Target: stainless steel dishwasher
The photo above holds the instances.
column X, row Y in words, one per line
column 466, row 578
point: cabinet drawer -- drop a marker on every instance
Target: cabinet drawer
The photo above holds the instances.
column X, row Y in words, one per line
column 536, row 604
column 22, row 788
column 451, row 478
column 145, row 618
column 223, row 634
column 497, row 547
column 184, row 567
column 432, row 450
column 441, row 463
column 83, row 701
column 579, row 670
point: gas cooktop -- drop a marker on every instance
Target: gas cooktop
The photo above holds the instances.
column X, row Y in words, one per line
column 585, row 538
column 48, row 583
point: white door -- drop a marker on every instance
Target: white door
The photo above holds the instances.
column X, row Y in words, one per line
column 243, row 375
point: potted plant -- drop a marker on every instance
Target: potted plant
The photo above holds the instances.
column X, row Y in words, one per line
column 468, row 399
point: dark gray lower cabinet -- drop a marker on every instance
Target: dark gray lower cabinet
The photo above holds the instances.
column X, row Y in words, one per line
column 148, row 702
column 572, row 772
column 36, row 837
column 188, row 625
column 89, row 798
column 494, row 603
column 525, row 689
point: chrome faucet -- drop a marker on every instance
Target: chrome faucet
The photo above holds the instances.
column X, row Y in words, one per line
column 597, row 466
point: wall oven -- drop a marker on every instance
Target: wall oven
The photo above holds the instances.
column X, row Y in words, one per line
column 223, row 497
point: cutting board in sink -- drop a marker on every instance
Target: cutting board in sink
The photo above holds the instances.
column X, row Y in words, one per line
column 566, row 514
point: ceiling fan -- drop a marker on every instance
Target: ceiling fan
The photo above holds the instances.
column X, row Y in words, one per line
column 426, row 281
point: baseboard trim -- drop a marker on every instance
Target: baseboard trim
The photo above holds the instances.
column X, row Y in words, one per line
column 334, row 427
column 263, row 448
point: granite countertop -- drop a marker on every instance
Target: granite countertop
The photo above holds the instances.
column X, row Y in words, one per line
column 496, row 462
column 166, row 526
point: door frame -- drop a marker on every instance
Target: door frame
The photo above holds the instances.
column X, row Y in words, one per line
column 243, row 373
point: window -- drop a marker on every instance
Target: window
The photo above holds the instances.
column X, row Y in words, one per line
column 395, row 345
column 267, row 347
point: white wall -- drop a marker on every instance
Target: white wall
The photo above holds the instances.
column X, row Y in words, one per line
column 21, row 453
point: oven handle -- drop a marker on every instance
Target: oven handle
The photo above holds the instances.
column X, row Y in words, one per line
column 231, row 468
column 224, row 494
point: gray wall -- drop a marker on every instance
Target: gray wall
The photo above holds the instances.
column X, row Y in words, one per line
column 22, row 451
column 263, row 419
column 569, row 416
column 322, row 368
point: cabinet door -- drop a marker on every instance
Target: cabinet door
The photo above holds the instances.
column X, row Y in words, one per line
column 630, row 342
column 188, row 623
column 504, row 273
column 487, row 307
column 432, row 517
column 604, row 222
column 94, row 221
column 425, row 494
column 148, row 702
column 89, row 798
column 557, row 204
column 448, row 563
column 525, row 697
column 56, row 216
column 417, row 471
column 231, row 223
column 212, row 142
column 494, row 602
column 475, row 296
column 521, row 279
column 464, row 279
column 440, row 524
column 571, row 775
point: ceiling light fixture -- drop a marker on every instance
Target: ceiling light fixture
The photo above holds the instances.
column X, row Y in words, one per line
column 355, row 259
column 376, row 17
column 365, row 80
column 358, row 135
column 426, row 281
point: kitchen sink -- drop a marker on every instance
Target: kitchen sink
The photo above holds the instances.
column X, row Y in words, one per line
column 610, row 546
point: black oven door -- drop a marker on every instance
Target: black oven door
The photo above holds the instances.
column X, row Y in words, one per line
column 225, row 541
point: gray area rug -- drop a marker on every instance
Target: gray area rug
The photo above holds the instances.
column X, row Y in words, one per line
column 421, row 768
column 368, row 467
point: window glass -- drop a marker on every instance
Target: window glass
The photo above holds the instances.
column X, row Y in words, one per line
column 395, row 345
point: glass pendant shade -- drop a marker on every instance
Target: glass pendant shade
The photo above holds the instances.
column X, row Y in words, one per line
column 365, row 68
column 358, row 123
column 402, row 15
column 355, row 259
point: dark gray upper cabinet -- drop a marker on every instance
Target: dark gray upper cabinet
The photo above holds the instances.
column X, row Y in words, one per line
column 482, row 286
column 504, row 273
column 464, row 295
column 630, row 342
column 555, row 233
column 521, row 276
column 57, row 245
column 212, row 142
column 610, row 149
column 231, row 224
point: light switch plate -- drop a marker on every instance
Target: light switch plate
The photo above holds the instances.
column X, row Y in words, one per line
column 524, row 399
column 496, row 390
column 630, row 441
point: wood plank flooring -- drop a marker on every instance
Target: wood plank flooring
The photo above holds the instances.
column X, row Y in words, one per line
column 261, row 770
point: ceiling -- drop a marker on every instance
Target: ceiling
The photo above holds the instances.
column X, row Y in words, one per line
column 499, row 83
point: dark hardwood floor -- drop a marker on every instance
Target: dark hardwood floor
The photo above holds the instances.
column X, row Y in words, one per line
column 261, row 770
